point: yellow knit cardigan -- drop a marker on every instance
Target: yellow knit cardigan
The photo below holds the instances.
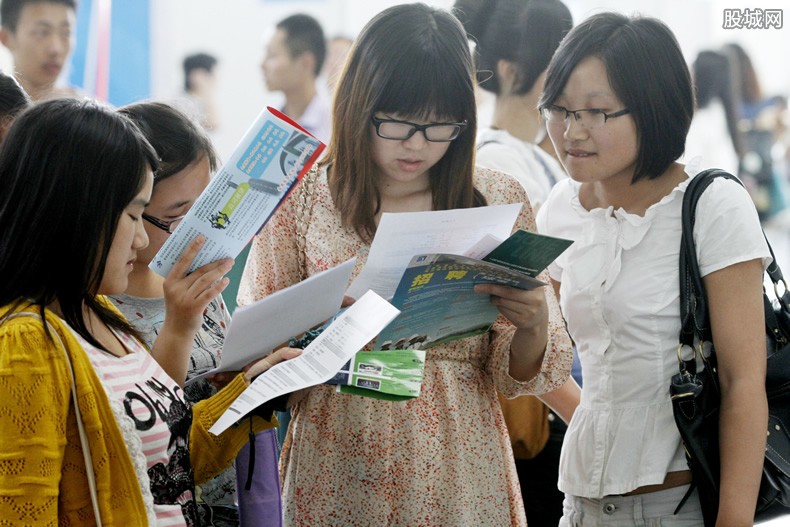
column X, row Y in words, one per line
column 42, row 470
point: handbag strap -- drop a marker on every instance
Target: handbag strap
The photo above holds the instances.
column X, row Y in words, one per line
column 86, row 451
column 694, row 314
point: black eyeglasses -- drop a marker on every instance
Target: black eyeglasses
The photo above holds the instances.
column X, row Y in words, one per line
column 588, row 118
column 402, row 130
column 168, row 226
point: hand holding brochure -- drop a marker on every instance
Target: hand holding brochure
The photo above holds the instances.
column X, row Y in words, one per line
column 437, row 298
column 257, row 329
column 319, row 362
column 270, row 160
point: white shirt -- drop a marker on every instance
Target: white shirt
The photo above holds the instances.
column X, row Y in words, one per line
column 708, row 137
column 317, row 117
column 620, row 296
column 528, row 163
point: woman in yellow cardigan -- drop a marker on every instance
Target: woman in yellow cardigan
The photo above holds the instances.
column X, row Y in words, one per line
column 74, row 179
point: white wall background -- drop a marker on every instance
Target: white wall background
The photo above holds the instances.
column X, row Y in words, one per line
column 235, row 31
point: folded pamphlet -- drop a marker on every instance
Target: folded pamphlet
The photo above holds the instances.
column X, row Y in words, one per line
column 266, row 165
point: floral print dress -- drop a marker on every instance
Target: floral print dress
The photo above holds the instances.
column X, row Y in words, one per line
column 443, row 458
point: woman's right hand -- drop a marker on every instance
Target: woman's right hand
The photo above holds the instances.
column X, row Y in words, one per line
column 187, row 295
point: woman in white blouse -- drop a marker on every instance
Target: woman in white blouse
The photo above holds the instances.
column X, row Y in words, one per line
column 618, row 102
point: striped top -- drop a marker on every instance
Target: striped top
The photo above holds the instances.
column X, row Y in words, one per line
column 162, row 418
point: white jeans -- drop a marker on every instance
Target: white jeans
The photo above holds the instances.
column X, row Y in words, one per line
column 654, row 509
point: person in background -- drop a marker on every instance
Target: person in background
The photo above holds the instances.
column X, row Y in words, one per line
column 83, row 400
column 293, row 60
column 336, row 52
column 39, row 35
column 515, row 40
column 200, row 90
column 714, row 128
column 405, row 122
column 618, row 103
column 762, row 121
column 13, row 100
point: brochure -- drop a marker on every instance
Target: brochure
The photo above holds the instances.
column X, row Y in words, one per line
column 394, row 375
column 270, row 160
column 259, row 328
column 436, row 292
column 319, row 361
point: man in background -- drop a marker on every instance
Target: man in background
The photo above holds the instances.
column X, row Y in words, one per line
column 39, row 35
column 293, row 60
column 200, row 89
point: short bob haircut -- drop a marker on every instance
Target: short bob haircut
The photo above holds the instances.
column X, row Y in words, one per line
column 68, row 169
column 523, row 32
column 177, row 139
column 648, row 74
column 412, row 61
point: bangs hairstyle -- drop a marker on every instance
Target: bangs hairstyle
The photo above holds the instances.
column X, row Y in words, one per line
column 68, row 170
column 648, row 73
column 411, row 61
column 177, row 139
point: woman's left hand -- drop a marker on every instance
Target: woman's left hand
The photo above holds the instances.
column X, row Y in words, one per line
column 254, row 369
column 526, row 309
column 529, row 312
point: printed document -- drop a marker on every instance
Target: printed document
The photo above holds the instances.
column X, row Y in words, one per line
column 319, row 362
column 257, row 329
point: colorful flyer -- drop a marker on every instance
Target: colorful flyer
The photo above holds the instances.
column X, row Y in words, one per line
column 266, row 165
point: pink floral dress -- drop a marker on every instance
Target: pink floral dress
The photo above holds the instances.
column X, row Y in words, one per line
column 441, row 459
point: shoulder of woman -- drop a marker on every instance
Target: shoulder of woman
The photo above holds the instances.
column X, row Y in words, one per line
column 23, row 338
column 498, row 187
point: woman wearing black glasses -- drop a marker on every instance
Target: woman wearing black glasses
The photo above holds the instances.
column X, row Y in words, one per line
column 618, row 102
column 403, row 140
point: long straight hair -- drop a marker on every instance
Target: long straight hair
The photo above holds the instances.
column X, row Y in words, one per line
column 414, row 61
column 68, row 169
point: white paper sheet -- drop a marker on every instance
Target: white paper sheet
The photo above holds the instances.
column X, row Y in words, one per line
column 400, row 236
column 257, row 329
column 319, row 362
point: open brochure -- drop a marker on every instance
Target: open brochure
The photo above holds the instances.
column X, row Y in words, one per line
column 320, row 360
column 259, row 328
column 270, row 160
column 436, row 292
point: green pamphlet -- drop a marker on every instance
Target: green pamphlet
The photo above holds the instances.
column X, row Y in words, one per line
column 393, row 375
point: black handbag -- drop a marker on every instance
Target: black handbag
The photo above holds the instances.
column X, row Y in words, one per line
column 695, row 392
